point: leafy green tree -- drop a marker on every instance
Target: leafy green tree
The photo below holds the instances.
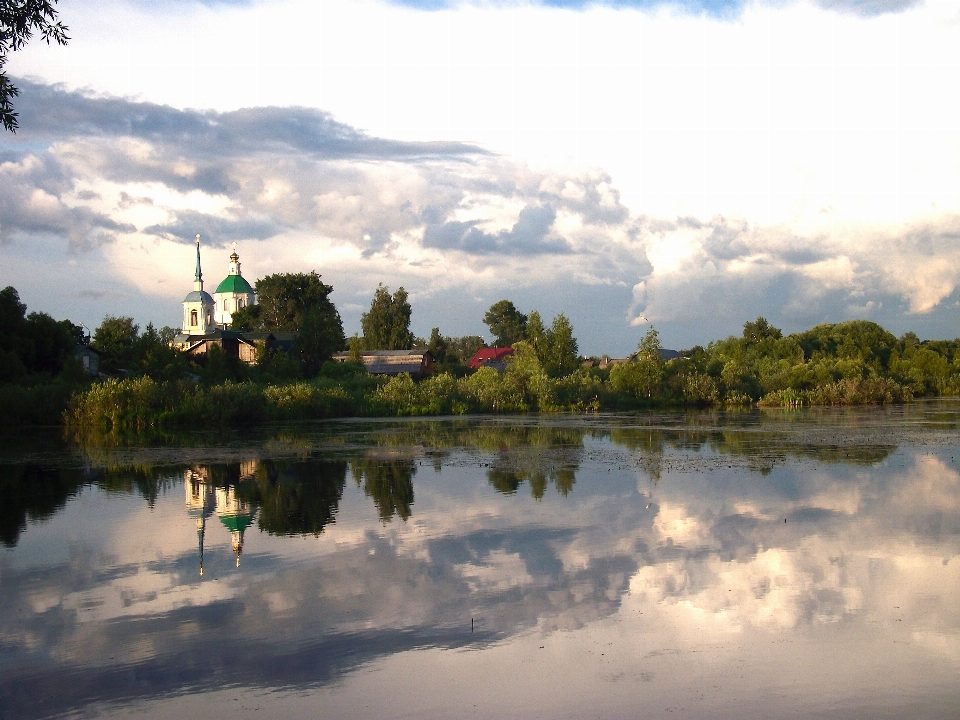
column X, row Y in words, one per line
column 437, row 346
column 506, row 323
column 12, row 314
column 12, row 320
column 321, row 335
column 560, row 357
column 297, row 302
column 247, row 319
column 536, row 335
column 33, row 344
column 152, row 354
column 356, row 349
column 642, row 377
column 282, row 301
column 19, row 20
column 48, row 343
column 387, row 325
column 115, row 340
column 464, row 348
column 760, row 330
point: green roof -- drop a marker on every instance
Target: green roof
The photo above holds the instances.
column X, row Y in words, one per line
column 234, row 284
column 236, row 523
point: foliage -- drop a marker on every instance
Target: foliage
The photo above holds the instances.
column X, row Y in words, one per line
column 19, row 20
column 507, row 324
column 33, row 347
column 437, row 346
column 123, row 349
column 320, row 336
column 559, row 356
column 641, row 377
column 115, row 340
column 282, row 301
column 295, row 302
column 462, row 349
column 387, row 325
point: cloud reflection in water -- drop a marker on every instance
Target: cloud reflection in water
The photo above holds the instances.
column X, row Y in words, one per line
column 706, row 544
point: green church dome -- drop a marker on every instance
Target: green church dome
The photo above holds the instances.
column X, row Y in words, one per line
column 236, row 523
column 234, row 284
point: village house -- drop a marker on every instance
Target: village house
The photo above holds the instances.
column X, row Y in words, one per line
column 495, row 358
column 393, row 362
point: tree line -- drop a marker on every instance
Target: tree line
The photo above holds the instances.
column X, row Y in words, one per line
column 853, row 362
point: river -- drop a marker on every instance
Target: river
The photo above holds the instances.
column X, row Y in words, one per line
column 750, row 564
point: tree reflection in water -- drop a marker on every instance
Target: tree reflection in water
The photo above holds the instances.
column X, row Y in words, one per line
column 386, row 478
column 296, row 498
column 538, row 455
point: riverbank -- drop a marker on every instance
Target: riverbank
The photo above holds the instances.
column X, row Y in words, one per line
column 143, row 404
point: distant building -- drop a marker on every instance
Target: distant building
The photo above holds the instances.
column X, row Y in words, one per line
column 88, row 358
column 393, row 362
column 495, row 358
column 206, row 318
column 233, row 344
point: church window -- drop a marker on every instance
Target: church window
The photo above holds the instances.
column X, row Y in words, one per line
column 239, row 303
column 193, row 317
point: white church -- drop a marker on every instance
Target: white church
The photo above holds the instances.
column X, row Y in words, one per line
column 206, row 318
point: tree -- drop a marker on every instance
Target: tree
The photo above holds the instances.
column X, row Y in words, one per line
column 297, row 302
column 387, row 325
column 19, row 19
column 153, row 355
column 437, row 346
column 115, row 340
column 282, row 301
column 760, row 330
column 48, row 343
column 464, row 348
column 506, row 323
column 321, row 335
column 643, row 376
column 560, row 357
column 536, row 335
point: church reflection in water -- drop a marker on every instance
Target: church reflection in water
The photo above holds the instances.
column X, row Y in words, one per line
column 204, row 499
column 293, row 497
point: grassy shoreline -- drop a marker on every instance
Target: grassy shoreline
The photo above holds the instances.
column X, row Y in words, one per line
column 142, row 405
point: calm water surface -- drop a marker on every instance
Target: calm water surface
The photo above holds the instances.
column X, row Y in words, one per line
column 698, row 565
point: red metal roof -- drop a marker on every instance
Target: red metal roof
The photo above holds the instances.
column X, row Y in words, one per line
column 485, row 355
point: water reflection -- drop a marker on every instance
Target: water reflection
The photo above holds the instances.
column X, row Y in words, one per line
column 387, row 479
column 641, row 548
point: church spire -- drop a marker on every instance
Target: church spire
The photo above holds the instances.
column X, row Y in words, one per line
column 198, row 276
column 201, row 528
column 234, row 261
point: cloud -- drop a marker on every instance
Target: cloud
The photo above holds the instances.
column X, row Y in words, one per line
column 743, row 270
column 32, row 203
column 531, row 234
column 128, row 182
column 869, row 8
column 187, row 224
column 714, row 8
column 210, row 134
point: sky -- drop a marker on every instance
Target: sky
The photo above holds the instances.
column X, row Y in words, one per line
column 690, row 165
